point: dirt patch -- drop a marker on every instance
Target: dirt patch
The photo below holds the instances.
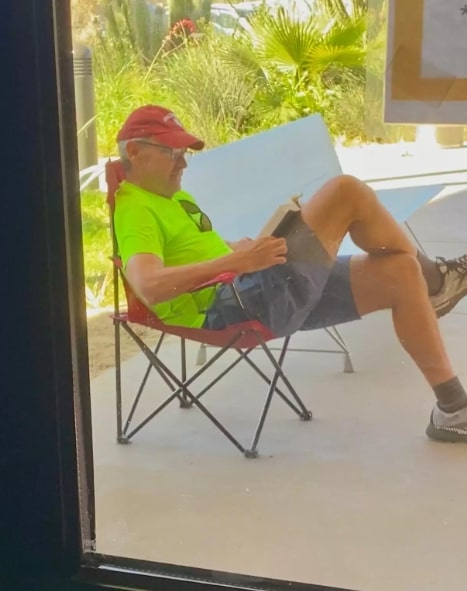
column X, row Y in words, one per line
column 101, row 342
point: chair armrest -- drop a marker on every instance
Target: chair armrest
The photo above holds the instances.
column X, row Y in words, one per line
column 222, row 278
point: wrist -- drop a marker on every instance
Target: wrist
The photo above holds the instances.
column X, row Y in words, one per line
column 234, row 262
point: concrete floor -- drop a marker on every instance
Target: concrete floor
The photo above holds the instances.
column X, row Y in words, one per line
column 357, row 498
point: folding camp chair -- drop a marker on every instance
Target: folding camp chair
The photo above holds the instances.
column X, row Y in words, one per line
column 243, row 338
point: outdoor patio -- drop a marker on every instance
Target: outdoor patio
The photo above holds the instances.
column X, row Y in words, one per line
column 357, row 498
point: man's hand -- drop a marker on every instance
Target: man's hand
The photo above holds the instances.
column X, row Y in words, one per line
column 261, row 253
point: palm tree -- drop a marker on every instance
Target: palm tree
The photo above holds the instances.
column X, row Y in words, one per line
column 298, row 63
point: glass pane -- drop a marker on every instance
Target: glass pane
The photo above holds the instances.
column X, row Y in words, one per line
column 284, row 106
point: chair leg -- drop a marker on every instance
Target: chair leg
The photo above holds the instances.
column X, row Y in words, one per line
column 201, row 357
column 193, row 399
column 136, row 401
column 121, row 438
column 339, row 340
column 184, row 399
column 306, row 414
column 125, row 435
column 417, row 241
column 298, row 411
column 348, row 366
column 179, row 387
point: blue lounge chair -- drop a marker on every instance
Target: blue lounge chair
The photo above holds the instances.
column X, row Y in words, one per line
column 241, row 183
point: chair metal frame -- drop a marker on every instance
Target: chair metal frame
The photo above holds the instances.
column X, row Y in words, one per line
column 331, row 331
column 243, row 338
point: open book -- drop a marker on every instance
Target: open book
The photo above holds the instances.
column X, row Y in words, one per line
column 277, row 224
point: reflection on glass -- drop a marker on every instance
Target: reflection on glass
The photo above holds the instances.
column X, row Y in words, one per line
column 338, row 500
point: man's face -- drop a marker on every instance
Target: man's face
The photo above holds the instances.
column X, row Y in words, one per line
column 155, row 167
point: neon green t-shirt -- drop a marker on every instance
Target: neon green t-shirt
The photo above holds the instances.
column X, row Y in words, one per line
column 148, row 223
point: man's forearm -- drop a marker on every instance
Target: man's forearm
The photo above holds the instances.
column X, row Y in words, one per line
column 168, row 282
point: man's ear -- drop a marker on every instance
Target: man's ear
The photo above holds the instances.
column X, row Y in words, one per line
column 132, row 149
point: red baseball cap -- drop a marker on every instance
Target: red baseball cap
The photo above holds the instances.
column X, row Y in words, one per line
column 152, row 120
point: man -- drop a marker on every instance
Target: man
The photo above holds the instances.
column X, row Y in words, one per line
column 290, row 283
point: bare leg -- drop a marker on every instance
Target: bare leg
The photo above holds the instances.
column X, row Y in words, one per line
column 396, row 282
column 393, row 281
column 345, row 204
column 353, row 207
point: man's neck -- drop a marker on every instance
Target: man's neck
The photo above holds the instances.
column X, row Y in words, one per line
column 146, row 185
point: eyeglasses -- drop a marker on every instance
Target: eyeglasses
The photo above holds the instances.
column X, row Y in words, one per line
column 191, row 208
column 175, row 153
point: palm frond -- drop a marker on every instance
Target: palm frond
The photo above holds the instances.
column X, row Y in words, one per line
column 336, row 9
column 285, row 40
column 350, row 32
column 241, row 59
column 324, row 57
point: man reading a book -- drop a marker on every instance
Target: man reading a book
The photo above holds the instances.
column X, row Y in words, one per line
column 292, row 280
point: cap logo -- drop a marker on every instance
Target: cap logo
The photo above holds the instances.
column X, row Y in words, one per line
column 171, row 116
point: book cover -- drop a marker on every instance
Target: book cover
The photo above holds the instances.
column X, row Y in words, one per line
column 281, row 218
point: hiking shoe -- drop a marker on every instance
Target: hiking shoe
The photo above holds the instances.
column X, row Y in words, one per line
column 454, row 288
column 448, row 426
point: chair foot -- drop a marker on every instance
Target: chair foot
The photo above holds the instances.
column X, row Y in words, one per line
column 306, row 416
column 123, row 440
column 251, row 453
column 348, row 366
column 185, row 403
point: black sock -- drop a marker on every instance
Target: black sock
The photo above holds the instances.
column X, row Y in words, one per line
column 451, row 395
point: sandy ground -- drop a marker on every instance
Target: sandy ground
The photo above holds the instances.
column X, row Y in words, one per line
column 101, row 342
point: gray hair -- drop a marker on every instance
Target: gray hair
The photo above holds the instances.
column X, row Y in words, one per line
column 123, row 152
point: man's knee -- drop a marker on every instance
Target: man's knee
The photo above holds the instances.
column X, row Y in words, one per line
column 352, row 193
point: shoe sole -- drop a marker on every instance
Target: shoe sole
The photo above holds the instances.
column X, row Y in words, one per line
column 448, row 435
column 450, row 304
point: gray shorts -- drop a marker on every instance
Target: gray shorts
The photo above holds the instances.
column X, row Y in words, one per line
column 310, row 291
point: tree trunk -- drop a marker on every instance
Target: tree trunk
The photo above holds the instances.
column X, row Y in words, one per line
column 202, row 9
column 179, row 9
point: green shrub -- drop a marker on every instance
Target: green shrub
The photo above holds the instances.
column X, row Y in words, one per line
column 118, row 92
column 97, row 247
column 212, row 99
